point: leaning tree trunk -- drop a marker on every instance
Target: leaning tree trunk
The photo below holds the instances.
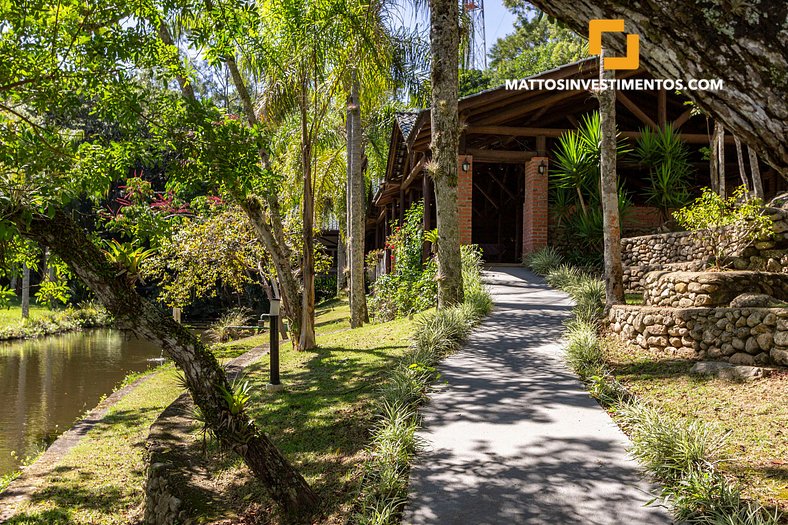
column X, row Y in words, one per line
column 25, row 291
column 714, row 158
column 444, row 48
column 358, row 300
column 719, row 141
column 757, row 181
column 205, row 378
column 742, row 44
column 614, row 274
column 307, row 339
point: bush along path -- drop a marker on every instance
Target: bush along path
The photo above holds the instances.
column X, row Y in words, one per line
column 683, row 455
column 394, row 442
column 511, row 436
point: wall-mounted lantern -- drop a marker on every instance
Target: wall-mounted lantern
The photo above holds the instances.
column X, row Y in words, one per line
column 466, row 166
column 542, row 167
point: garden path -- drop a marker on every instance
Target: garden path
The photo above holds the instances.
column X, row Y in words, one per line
column 511, row 434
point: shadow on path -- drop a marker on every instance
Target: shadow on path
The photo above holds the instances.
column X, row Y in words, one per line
column 513, row 437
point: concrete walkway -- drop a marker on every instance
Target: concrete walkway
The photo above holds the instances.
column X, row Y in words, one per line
column 513, row 437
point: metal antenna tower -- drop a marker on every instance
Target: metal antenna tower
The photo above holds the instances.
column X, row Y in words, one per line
column 476, row 51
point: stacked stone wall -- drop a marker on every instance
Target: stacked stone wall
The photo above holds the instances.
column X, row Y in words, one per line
column 748, row 336
column 688, row 289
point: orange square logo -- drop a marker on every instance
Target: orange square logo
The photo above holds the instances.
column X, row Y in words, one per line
column 598, row 26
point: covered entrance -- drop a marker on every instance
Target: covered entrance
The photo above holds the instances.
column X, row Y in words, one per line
column 497, row 204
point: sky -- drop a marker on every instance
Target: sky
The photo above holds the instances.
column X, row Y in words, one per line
column 498, row 20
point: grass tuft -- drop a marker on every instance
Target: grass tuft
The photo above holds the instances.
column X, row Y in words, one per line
column 544, row 260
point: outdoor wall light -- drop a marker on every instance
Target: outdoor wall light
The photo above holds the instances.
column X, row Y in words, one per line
column 542, row 167
column 466, row 165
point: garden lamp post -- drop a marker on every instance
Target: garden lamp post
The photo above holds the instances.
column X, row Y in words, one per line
column 273, row 348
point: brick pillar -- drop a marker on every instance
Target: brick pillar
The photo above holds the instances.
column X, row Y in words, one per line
column 535, row 206
column 465, row 198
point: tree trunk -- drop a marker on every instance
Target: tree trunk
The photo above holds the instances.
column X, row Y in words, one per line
column 757, row 181
column 714, row 159
column 205, row 378
column 444, row 49
column 741, row 45
column 358, row 299
column 25, row 291
column 307, row 339
column 719, row 139
column 614, row 274
column 740, row 159
column 341, row 261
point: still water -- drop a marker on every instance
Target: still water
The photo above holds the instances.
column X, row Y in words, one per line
column 47, row 383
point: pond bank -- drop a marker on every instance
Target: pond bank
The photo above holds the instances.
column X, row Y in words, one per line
column 55, row 322
column 33, row 476
column 47, row 384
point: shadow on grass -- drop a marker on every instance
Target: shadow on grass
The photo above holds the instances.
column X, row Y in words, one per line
column 320, row 422
column 656, row 369
column 49, row 517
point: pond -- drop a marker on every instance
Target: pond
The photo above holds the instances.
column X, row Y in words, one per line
column 47, row 383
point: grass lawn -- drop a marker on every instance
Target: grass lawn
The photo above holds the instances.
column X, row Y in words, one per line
column 755, row 414
column 634, row 298
column 320, row 422
column 13, row 315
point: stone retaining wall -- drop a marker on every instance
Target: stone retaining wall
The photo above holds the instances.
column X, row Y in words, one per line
column 634, row 276
column 167, row 477
column 692, row 251
column 665, row 248
column 686, row 289
column 740, row 335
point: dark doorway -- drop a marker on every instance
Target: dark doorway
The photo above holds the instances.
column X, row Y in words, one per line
column 498, row 194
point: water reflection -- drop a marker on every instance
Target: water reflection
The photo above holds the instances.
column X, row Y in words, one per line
column 47, row 383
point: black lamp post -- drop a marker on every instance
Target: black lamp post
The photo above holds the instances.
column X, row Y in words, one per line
column 273, row 348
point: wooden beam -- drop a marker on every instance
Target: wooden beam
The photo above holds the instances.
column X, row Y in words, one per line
column 516, row 131
column 502, row 156
column 541, row 145
column 572, row 120
column 662, row 107
column 486, row 196
column 537, row 115
column 493, row 114
column 689, row 138
column 414, row 173
column 631, row 106
column 683, row 118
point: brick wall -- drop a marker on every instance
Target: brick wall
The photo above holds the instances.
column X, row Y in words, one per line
column 465, row 198
column 535, row 215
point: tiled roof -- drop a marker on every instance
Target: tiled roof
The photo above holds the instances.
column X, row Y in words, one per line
column 405, row 120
